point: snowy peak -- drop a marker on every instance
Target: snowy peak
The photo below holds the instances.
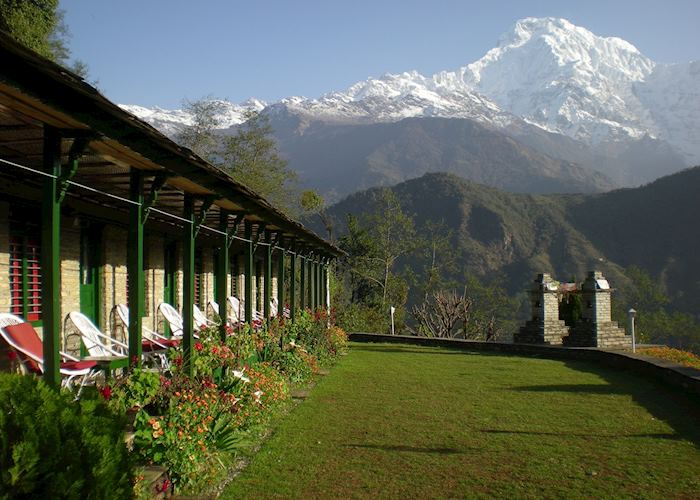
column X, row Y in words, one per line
column 565, row 79
column 170, row 122
column 545, row 71
column 557, row 43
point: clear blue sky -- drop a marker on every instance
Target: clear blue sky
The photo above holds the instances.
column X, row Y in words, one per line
column 157, row 52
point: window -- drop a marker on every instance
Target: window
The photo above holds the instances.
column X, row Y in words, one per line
column 198, row 278
column 25, row 276
column 234, row 276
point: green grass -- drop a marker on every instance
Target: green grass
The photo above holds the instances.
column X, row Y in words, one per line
column 403, row 421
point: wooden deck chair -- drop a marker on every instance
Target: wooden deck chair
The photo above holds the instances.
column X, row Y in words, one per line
column 23, row 338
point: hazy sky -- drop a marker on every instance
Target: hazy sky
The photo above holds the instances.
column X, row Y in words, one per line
column 157, row 52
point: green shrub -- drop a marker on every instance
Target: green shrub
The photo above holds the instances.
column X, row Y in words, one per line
column 53, row 447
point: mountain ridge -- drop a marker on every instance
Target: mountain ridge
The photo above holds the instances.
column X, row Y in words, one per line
column 519, row 235
column 545, row 71
column 556, row 88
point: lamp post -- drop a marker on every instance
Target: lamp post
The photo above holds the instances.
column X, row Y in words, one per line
column 392, row 310
column 630, row 326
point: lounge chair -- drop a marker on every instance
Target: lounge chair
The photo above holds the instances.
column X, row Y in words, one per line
column 237, row 312
column 152, row 341
column 23, row 338
column 174, row 319
column 213, row 310
column 96, row 342
column 200, row 319
column 110, row 354
column 238, row 308
column 153, row 344
column 274, row 309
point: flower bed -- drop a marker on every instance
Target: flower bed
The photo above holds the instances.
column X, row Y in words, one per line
column 684, row 358
column 195, row 426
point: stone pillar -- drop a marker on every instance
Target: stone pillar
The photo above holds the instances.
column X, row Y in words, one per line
column 596, row 328
column 544, row 327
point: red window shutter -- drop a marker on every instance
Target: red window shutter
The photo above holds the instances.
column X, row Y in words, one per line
column 33, row 280
column 16, row 276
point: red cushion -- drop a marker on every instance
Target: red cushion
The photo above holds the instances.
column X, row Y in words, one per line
column 150, row 346
column 24, row 335
column 78, row 365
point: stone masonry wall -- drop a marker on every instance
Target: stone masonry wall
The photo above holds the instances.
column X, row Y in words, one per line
column 4, row 276
column 155, row 280
column 114, row 278
column 70, row 285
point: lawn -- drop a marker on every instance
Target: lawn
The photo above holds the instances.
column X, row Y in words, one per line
column 404, row 421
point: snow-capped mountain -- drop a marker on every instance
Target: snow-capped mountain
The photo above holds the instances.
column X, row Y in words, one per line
column 545, row 71
column 170, row 121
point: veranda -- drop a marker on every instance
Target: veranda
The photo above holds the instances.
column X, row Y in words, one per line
column 97, row 208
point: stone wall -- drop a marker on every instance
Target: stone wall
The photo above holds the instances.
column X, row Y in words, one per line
column 114, row 279
column 155, row 280
column 70, row 284
column 4, row 276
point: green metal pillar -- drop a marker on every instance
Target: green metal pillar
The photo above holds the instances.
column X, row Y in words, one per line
column 50, row 257
column 319, row 284
column 312, row 282
column 302, row 283
column 324, row 284
column 188, row 238
column 223, row 272
column 134, row 266
column 280, row 284
column 267, row 283
column 293, row 286
column 248, row 270
column 317, row 273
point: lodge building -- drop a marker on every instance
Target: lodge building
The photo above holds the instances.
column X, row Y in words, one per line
column 98, row 208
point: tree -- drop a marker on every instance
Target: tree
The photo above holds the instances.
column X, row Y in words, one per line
column 250, row 156
column 439, row 258
column 444, row 315
column 655, row 322
column 492, row 309
column 375, row 243
column 313, row 203
column 40, row 26
column 200, row 137
column 36, row 24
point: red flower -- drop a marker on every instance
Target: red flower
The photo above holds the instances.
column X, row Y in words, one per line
column 178, row 361
column 12, row 355
column 214, row 350
column 163, row 487
column 198, row 346
column 106, row 392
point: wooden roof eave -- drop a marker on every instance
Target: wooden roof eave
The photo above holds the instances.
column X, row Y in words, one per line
column 69, row 102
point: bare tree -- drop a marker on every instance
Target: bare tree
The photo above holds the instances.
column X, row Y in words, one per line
column 445, row 315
